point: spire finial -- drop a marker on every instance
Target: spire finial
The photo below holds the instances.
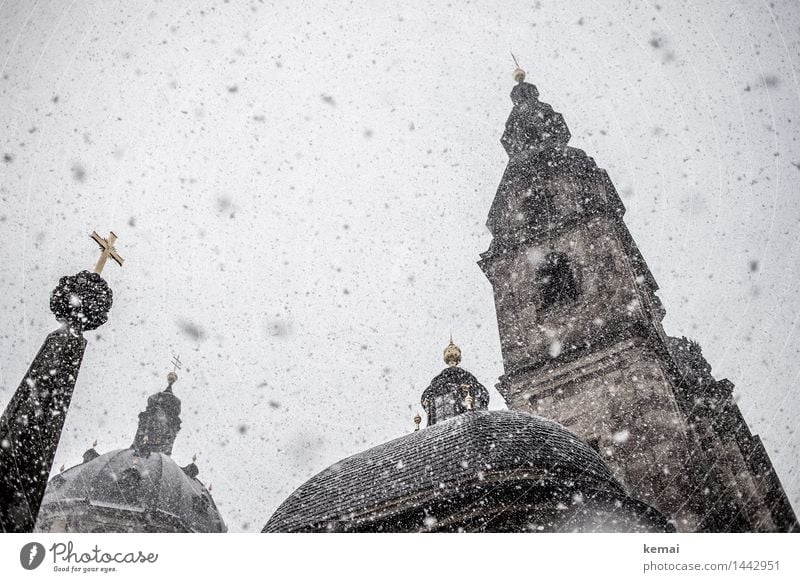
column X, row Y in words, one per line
column 159, row 422
column 452, row 353
column 518, row 74
column 172, row 377
column 417, row 420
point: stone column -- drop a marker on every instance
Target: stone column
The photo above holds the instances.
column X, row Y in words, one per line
column 31, row 425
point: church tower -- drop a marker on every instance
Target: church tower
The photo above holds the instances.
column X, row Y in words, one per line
column 582, row 340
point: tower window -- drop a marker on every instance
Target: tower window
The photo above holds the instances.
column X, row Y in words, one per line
column 557, row 280
column 445, row 406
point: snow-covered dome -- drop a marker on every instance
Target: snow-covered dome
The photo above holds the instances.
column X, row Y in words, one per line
column 478, row 471
column 138, row 489
column 124, row 490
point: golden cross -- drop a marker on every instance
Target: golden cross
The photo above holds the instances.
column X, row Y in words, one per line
column 108, row 251
column 176, row 363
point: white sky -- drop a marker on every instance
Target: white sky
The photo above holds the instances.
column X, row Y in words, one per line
column 308, row 186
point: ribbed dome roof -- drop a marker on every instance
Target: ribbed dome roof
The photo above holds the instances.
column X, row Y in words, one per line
column 471, row 447
column 124, row 481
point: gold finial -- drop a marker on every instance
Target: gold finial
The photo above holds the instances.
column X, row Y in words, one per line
column 452, row 354
column 209, row 487
column 94, row 444
column 108, row 250
column 194, row 457
column 518, row 74
column 61, row 469
column 417, row 420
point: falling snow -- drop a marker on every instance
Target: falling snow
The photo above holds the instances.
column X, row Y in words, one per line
column 227, row 153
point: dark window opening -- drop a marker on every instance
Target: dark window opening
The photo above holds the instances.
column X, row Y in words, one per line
column 444, row 406
column 556, row 280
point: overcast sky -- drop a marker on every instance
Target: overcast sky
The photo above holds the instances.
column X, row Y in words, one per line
column 300, row 194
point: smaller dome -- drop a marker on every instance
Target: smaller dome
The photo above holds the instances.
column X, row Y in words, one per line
column 450, row 393
column 123, row 491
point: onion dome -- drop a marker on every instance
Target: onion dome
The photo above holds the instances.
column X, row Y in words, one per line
column 533, row 195
column 481, row 471
column 533, row 126
column 138, row 489
column 454, row 391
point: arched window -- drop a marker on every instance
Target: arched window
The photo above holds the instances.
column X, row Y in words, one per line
column 556, row 280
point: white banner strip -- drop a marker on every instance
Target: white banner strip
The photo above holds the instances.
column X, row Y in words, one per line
column 401, row 557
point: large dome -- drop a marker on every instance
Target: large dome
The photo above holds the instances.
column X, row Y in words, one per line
column 473, row 466
column 151, row 492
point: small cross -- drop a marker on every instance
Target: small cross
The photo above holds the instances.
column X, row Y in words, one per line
column 108, row 251
column 176, row 363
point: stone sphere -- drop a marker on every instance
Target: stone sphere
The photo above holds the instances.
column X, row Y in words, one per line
column 82, row 300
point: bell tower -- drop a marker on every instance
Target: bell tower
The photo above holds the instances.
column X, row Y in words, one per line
column 580, row 326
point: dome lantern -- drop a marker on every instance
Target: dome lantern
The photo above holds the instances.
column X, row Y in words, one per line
column 454, row 391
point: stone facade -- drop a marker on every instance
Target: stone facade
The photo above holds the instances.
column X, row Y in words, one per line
column 582, row 340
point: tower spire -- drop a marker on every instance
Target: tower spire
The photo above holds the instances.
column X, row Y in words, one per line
column 519, row 73
column 159, row 422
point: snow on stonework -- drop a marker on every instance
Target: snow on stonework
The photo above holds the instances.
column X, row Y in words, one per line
column 583, row 344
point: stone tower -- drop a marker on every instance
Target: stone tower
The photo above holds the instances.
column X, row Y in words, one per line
column 582, row 340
